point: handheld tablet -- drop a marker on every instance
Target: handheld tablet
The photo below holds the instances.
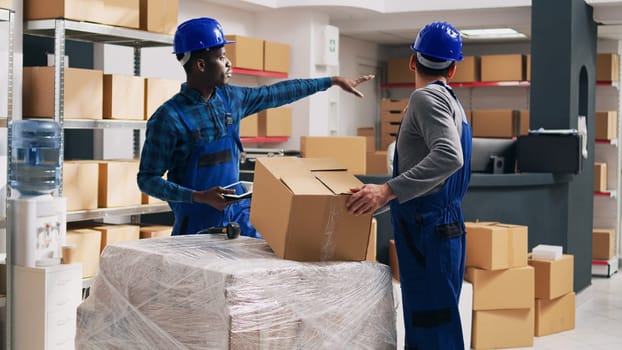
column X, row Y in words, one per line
column 247, row 187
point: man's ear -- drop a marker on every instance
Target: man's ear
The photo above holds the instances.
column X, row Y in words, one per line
column 200, row 64
column 452, row 71
column 412, row 63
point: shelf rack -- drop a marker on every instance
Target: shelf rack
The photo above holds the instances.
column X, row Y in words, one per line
column 485, row 84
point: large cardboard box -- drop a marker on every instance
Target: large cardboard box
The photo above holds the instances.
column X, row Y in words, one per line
column 79, row 10
column 600, row 177
column 275, row 122
column 496, row 123
column 494, row 329
column 85, row 244
column 80, row 181
column 606, row 126
column 603, row 243
column 158, row 91
column 502, row 289
column 370, row 135
column 155, row 231
column 347, row 150
column 607, row 67
column 249, row 126
column 554, row 278
column 299, row 207
column 503, row 67
column 377, row 163
column 495, row 246
column 554, row 316
column 117, row 233
column 122, row 13
column 159, row 16
column 246, row 53
column 117, row 184
column 124, row 97
column 83, row 97
column 398, row 71
column 275, row 57
column 467, row 71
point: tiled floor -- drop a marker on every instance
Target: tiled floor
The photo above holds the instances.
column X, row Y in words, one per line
column 598, row 320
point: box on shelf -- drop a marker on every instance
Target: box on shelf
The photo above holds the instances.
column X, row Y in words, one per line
column 155, row 231
column 79, row 10
column 246, row 53
column 467, row 71
column 606, row 125
column 124, row 97
column 393, row 105
column 275, row 122
column 605, row 268
column 377, row 163
column 496, row 123
column 523, row 128
column 159, row 16
column 603, row 243
column 607, row 67
column 299, row 208
column 111, row 234
column 275, row 57
column 122, row 13
column 249, row 126
column 347, row 150
column 83, row 97
column 554, row 278
column 494, row 329
column 511, row 288
column 496, row 246
column 80, row 181
column 85, row 248
column 554, row 316
column 117, row 184
column 600, row 177
column 398, row 71
column 503, row 67
column 158, row 91
column 528, row 67
column 370, row 136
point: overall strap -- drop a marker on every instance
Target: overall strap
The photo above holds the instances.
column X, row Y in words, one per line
column 229, row 118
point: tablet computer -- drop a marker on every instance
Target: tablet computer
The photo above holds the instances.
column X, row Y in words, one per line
column 246, row 187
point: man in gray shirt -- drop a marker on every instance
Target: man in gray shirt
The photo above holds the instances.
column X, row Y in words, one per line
column 431, row 173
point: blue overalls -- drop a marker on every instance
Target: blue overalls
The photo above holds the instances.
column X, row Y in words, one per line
column 430, row 242
column 214, row 163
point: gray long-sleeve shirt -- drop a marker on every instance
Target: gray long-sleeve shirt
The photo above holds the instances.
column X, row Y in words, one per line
column 428, row 143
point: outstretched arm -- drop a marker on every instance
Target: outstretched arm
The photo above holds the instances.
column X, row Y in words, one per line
column 349, row 85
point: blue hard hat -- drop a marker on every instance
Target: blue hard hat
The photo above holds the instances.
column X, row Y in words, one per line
column 198, row 33
column 439, row 40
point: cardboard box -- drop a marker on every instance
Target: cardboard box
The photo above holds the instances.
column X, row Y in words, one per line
column 85, row 245
column 391, row 116
column 159, row 16
column 607, row 67
column 496, row 123
column 373, row 236
column 299, row 208
column 123, row 97
column 79, row 10
column 246, row 53
column 155, row 231
column 394, row 105
column 554, row 278
column 390, row 128
column 122, row 13
column 393, row 262
column 377, row 163
column 6, row 4
column 80, row 181
column 249, row 126
column 275, row 57
column 503, row 67
column 275, row 122
column 554, row 316
column 494, row 329
column 600, row 177
column 467, row 71
column 524, row 122
column 502, row 289
column 83, row 93
column 603, row 243
column 117, row 184
column 111, row 234
column 398, row 71
column 606, row 125
column 370, row 137
column 528, row 67
column 496, row 246
column 158, row 91
column 347, row 150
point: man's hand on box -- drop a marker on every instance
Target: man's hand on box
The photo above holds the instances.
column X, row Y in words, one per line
column 368, row 198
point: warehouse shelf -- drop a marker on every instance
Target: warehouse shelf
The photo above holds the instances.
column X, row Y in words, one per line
column 610, row 194
column 103, row 124
column 259, row 73
column 613, row 142
column 81, row 215
column 264, row 139
column 98, row 33
column 485, row 84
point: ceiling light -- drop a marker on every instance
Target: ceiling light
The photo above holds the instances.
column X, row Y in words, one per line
column 491, row 33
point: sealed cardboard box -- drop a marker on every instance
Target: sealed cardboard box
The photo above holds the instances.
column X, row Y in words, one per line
column 159, row 16
column 467, row 71
column 496, row 123
column 86, row 244
column 275, row 122
column 299, row 208
column 502, row 289
column 83, row 97
column 117, row 233
column 124, row 96
column 80, row 181
column 398, row 71
column 122, row 13
column 606, row 126
column 249, row 126
column 246, row 53
column 503, row 67
column 370, row 136
column 377, row 163
column 554, row 278
column 607, row 67
column 494, row 329
column 494, row 246
column 603, row 243
column 600, row 177
column 158, row 91
column 556, row 315
column 155, row 231
column 347, row 150
column 79, row 10
column 275, row 57
column 117, row 184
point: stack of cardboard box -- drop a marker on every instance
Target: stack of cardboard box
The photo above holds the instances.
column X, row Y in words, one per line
column 392, row 112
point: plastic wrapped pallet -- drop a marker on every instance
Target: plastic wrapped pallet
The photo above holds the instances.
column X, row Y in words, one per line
column 207, row 292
